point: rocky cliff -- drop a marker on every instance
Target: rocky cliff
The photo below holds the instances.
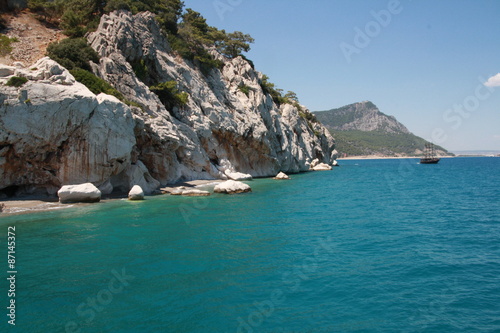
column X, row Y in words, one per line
column 54, row 131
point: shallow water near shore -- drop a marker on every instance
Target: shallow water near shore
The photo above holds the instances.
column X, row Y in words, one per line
column 372, row 246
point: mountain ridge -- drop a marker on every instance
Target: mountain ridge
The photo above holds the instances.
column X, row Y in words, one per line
column 362, row 129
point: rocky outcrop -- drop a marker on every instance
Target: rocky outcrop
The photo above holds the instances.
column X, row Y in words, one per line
column 232, row 187
column 322, row 167
column 79, row 193
column 54, row 131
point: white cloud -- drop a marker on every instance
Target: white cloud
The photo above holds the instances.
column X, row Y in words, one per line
column 493, row 81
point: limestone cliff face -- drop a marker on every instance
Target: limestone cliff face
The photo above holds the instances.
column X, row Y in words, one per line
column 219, row 122
column 64, row 134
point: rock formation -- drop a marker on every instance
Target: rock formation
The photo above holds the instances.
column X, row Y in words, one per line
column 54, row 131
column 232, row 187
column 136, row 193
column 282, row 176
column 79, row 193
column 195, row 193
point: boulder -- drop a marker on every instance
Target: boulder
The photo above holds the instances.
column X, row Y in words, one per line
column 195, row 193
column 238, row 176
column 322, row 167
column 281, row 176
column 314, row 163
column 79, row 193
column 178, row 190
column 6, row 70
column 232, row 187
column 136, row 193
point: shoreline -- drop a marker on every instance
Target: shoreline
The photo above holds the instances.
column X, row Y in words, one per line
column 38, row 204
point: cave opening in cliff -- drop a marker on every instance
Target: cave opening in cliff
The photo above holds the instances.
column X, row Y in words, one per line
column 10, row 191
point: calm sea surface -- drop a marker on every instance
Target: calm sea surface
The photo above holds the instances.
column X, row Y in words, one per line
column 372, row 246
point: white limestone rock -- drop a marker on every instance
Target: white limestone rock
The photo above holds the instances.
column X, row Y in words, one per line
column 238, row 176
column 195, row 193
column 232, row 187
column 48, row 71
column 79, row 193
column 178, row 190
column 136, row 193
column 218, row 123
column 7, row 70
column 322, row 167
column 282, row 176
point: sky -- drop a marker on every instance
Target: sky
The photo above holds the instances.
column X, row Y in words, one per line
column 431, row 64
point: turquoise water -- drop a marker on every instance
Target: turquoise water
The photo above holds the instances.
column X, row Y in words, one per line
column 372, row 246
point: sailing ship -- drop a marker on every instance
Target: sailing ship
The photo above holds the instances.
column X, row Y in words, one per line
column 429, row 155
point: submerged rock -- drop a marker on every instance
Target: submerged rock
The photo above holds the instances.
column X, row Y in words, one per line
column 136, row 193
column 79, row 193
column 195, row 193
column 178, row 190
column 232, row 187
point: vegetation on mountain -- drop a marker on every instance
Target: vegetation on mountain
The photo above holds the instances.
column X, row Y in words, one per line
column 169, row 94
column 5, row 45
column 72, row 53
column 355, row 143
column 95, row 84
column 16, row 81
column 187, row 31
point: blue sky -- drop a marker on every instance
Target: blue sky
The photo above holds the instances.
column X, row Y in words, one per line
column 424, row 62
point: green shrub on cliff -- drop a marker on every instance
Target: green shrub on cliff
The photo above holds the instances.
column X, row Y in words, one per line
column 95, row 84
column 170, row 95
column 72, row 53
column 16, row 81
column 5, row 45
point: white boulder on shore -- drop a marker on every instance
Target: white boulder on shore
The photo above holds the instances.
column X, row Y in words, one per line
column 322, row 167
column 79, row 193
column 232, row 187
column 136, row 193
column 282, row 176
column 195, row 193
column 189, row 192
column 238, row 176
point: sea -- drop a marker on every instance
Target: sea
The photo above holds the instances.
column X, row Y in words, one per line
column 371, row 246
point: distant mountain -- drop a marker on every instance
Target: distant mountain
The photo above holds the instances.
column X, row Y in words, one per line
column 361, row 129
